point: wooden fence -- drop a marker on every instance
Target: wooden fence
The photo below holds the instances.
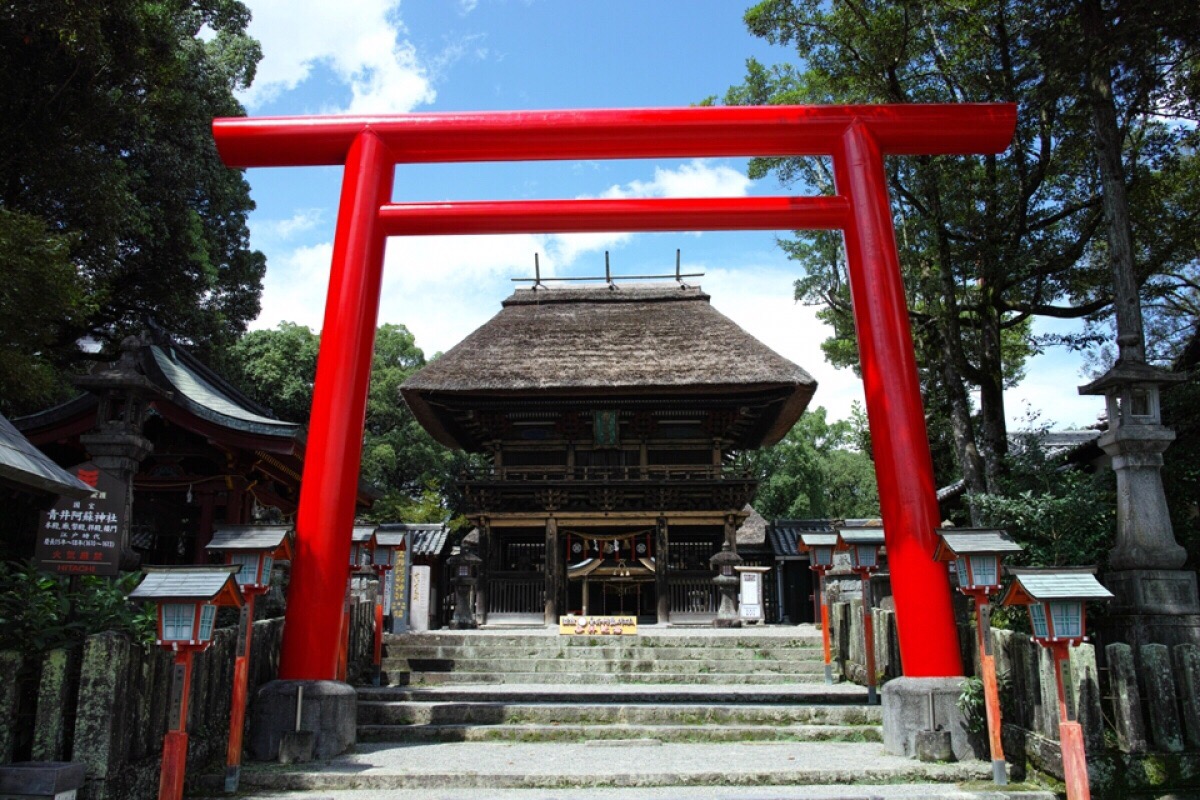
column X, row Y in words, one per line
column 1141, row 725
column 105, row 704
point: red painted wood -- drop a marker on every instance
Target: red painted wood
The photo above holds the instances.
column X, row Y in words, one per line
column 933, row 129
column 330, row 482
column 858, row 137
column 903, row 466
column 574, row 216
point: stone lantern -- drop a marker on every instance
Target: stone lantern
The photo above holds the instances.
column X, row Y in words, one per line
column 187, row 600
column 864, row 544
column 724, row 564
column 464, row 571
column 1156, row 601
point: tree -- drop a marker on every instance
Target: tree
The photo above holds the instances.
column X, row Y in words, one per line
column 278, row 367
column 986, row 243
column 105, row 140
column 815, row 472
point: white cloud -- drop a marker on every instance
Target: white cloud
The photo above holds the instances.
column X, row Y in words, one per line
column 304, row 219
column 696, row 178
column 295, row 286
column 359, row 40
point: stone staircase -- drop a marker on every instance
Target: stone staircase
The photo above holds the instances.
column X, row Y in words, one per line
column 659, row 687
column 681, row 710
column 526, row 658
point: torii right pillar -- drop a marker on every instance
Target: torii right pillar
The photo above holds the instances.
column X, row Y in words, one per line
column 903, row 465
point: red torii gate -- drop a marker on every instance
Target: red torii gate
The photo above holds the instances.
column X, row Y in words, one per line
column 855, row 137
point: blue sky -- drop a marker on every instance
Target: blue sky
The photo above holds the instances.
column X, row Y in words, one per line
column 383, row 56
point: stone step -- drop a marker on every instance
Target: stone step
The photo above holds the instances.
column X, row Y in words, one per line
column 414, row 734
column 584, row 678
column 487, row 713
column 600, row 653
column 641, row 667
column 608, row 763
column 784, row 695
column 897, row 791
column 708, row 638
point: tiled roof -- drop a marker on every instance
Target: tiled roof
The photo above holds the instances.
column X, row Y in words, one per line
column 965, row 541
column 785, row 534
column 862, row 535
column 21, row 462
column 249, row 537
column 427, row 539
column 362, row 533
column 208, row 399
column 1060, row 584
column 183, row 583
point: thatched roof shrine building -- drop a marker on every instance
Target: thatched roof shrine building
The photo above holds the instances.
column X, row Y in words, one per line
column 611, row 416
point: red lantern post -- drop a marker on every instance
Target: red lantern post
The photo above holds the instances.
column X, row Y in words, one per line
column 820, row 547
column 254, row 549
column 1056, row 599
column 864, row 543
column 187, row 599
column 362, row 556
column 977, row 553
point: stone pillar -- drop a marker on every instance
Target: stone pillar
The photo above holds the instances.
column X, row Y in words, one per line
column 551, row 571
column 1156, row 602
column 662, row 585
column 120, row 454
column 99, row 738
column 481, row 586
column 10, row 664
column 1126, row 702
column 49, row 732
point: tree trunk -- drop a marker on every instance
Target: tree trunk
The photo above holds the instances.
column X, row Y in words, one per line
column 1107, row 141
column 993, row 427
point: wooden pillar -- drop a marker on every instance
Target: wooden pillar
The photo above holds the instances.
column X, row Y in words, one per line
column 662, row 586
column 485, row 568
column 204, row 527
column 731, row 532
column 551, row 571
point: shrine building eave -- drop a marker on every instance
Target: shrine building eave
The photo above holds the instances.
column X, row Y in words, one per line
column 611, row 343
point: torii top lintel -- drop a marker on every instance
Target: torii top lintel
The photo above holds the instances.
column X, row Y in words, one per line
column 934, row 129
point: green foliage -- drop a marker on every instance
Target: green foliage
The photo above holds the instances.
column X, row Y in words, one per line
column 1181, row 469
column 416, row 474
column 40, row 297
column 972, row 702
column 105, row 138
column 39, row 612
column 986, row 243
column 1062, row 515
column 816, row 471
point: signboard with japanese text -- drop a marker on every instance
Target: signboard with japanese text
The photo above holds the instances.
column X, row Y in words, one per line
column 418, row 599
column 399, row 590
column 83, row 537
column 616, row 625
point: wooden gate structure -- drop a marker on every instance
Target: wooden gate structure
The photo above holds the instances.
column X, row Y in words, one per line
column 856, row 138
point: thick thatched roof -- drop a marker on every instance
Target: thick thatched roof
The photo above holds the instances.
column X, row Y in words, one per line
column 622, row 340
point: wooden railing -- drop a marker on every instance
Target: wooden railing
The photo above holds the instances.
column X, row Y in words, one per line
column 691, row 472
column 516, row 593
column 693, row 594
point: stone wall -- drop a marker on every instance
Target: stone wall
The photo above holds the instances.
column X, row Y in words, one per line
column 1141, row 726
column 105, row 704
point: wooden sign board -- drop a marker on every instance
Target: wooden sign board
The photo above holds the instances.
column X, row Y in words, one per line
column 617, row 625
column 83, row 537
